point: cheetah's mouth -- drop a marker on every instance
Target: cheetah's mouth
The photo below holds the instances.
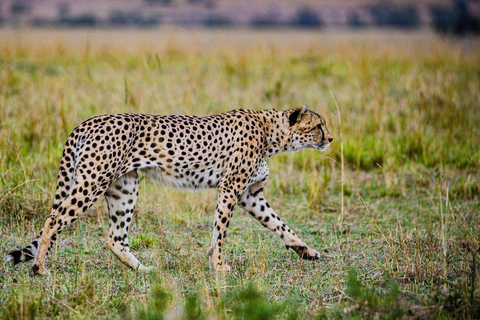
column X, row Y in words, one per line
column 322, row 146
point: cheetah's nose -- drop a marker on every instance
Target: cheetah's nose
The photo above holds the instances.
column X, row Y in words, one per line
column 330, row 139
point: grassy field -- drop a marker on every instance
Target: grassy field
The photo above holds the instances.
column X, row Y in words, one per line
column 393, row 204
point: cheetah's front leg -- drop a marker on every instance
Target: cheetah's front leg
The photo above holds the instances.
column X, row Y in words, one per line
column 227, row 199
column 253, row 201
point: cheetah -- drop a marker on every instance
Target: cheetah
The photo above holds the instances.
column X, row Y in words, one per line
column 227, row 151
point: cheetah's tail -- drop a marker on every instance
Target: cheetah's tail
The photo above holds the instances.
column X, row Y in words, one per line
column 25, row 254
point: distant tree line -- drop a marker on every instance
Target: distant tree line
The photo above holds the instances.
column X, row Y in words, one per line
column 454, row 18
column 305, row 18
column 116, row 18
column 395, row 15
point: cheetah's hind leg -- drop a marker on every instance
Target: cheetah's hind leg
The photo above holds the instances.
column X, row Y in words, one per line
column 121, row 197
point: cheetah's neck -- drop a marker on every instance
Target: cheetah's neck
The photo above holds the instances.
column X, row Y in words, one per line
column 277, row 133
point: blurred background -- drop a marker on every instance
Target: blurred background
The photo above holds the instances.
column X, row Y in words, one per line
column 444, row 16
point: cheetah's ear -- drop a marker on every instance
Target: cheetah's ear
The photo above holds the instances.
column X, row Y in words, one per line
column 296, row 115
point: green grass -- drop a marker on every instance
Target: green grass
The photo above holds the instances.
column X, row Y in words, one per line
column 404, row 243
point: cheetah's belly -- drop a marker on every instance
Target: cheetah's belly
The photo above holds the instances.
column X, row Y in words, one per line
column 194, row 180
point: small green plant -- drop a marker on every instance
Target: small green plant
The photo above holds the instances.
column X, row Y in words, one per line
column 251, row 303
column 193, row 307
column 143, row 241
column 372, row 302
column 157, row 305
column 22, row 304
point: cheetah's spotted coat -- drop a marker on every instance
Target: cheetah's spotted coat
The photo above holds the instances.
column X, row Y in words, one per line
column 227, row 151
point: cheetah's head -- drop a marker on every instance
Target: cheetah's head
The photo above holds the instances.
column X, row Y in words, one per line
column 308, row 130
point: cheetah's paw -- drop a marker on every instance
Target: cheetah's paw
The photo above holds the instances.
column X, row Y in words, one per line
column 305, row 252
column 40, row 271
column 310, row 254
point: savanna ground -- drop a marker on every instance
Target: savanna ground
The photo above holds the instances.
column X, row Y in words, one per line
column 398, row 223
